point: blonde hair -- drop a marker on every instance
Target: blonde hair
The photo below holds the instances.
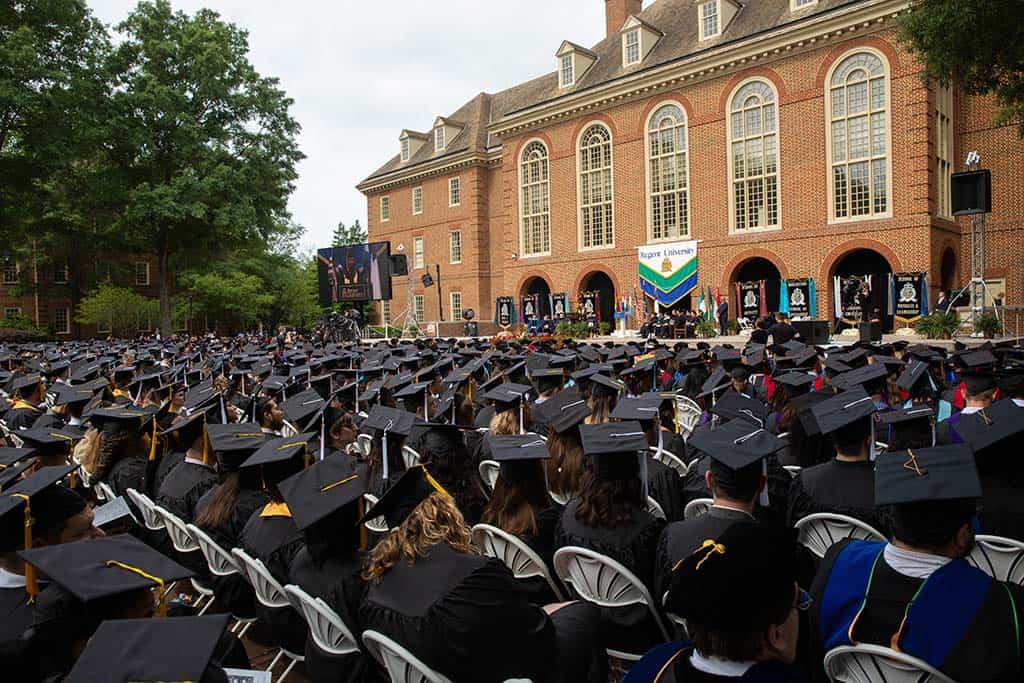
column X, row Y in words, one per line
column 505, row 423
column 435, row 521
column 87, row 452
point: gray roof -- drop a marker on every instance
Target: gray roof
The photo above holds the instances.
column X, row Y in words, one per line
column 676, row 19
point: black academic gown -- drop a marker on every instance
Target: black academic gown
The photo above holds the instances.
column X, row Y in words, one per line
column 338, row 582
column 167, row 463
column 22, row 418
column 838, row 487
column 665, row 486
column 276, row 541
column 963, row 623
column 779, row 482
column 184, row 486
column 128, row 473
column 680, row 539
column 15, row 614
column 465, row 616
column 632, row 628
column 670, row 663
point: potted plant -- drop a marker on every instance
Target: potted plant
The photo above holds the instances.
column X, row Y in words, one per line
column 705, row 329
column 989, row 325
column 938, row 325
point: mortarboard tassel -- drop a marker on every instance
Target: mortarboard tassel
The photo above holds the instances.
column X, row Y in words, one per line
column 206, row 443
column 161, row 605
column 152, row 442
column 323, row 434
column 384, row 448
column 31, row 587
column 362, row 527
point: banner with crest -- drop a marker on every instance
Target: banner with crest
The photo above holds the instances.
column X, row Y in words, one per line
column 560, row 306
column 908, row 296
column 530, row 307
column 797, row 298
column 590, row 305
column 504, row 311
column 750, row 296
column 668, row 272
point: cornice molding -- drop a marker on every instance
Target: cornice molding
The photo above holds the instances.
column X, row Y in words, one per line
column 435, row 168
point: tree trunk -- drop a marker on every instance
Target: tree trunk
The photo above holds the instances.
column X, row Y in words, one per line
column 164, row 276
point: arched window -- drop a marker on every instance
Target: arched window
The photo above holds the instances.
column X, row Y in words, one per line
column 754, row 157
column 535, row 211
column 668, row 207
column 859, row 137
column 595, row 164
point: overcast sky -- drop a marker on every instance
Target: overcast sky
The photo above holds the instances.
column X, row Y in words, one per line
column 362, row 70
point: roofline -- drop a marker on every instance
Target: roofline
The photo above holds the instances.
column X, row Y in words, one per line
column 434, row 168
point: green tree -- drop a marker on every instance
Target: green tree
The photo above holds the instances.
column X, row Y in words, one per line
column 203, row 147
column 118, row 309
column 229, row 299
column 348, row 234
column 976, row 44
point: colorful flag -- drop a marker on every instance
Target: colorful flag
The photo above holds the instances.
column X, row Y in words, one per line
column 701, row 305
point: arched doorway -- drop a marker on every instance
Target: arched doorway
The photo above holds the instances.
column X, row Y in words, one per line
column 860, row 262
column 540, row 287
column 754, row 270
column 947, row 270
column 600, row 282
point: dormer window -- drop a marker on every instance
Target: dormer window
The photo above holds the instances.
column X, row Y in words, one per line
column 638, row 39
column 709, row 20
column 566, row 75
column 439, row 139
column 631, row 47
column 795, row 5
column 411, row 142
column 405, row 149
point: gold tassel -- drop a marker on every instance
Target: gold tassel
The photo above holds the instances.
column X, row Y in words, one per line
column 712, row 548
column 152, row 443
column 206, row 443
column 31, row 587
column 161, row 605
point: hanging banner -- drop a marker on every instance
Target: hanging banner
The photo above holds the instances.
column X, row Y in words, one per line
column 905, row 298
column 504, row 311
column 799, row 297
column 590, row 305
column 530, row 307
column 668, row 272
column 560, row 306
column 852, row 296
column 750, row 295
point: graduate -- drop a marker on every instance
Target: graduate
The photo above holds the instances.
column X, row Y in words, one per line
column 390, row 428
column 564, row 413
column 26, row 392
column 663, row 482
column 916, row 594
column 186, row 483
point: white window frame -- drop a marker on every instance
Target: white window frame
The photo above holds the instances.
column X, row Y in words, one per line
column 64, row 271
column 406, row 147
column 454, row 191
column 566, row 70
column 439, row 139
column 944, row 150
column 730, row 141
column 796, row 5
column 830, row 163
column 610, row 202
column 385, row 208
column 67, row 320
column 630, row 42
column 455, row 310
column 10, row 273
column 704, row 18
column 385, row 313
column 418, row 307
column 454, row 246
column 648, row 160
column 417, row 253
column 145, row 281
column 527, row 191
column 417, row 201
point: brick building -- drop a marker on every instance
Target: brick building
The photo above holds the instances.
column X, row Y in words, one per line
column 788, row 138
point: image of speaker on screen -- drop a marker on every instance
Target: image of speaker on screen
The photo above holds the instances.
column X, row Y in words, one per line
column 358, row 272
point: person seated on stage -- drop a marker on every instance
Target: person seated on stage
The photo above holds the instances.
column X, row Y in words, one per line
column 846, row 484
column 917, row 594
column 736, row 477
column 465, row 615
column 192, row 477
column 739, row 596
column 610, row 517
column 547, row 326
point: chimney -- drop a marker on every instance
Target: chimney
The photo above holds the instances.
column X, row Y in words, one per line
column 616, row 12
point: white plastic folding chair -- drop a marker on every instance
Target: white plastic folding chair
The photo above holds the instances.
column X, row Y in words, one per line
column 654, row 507
column 794, row 470
column 877, row 664
column 560, row 498
column 221, row 563
column 377, row 524
column 697, row 507
column 104, row 492
column 183, row 542
column 270, row 593
column 687, row 414
column 410, row 456
column 152, row 520
column 820, row 531
column 669, row 459
column 999, row 557
column 364, row 442
column 514, row 554
column 489, row 470
column 604, row 582
column 402, row 666
column 326, row 628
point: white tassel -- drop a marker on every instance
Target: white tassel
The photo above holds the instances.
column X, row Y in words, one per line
column 763, row 498
column 323, row 432
column 385, row 450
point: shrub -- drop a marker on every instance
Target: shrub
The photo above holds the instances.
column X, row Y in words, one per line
column 733, row 326
column 571, row 329
column 938, row 325
column 706, row 328
column 606, row 328
column 989, row 325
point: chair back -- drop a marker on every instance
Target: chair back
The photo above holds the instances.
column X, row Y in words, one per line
column 794, row 470
column 364, row 442
column 489, row 470
column 220, row 561
column 377, row 524
column 152, row 520
column 402, row 665
column 877, row 664
column 687, row 415
column 180, row 538
column 601, row 580
column 268, row 590
column 514, row 554
column 328, row 631
column 999, row 557
column 654, row 507
column 104, row 492
column 819, row 532
column 670, row 460
column 410, row 456
column 697, row 507
column 560, row 498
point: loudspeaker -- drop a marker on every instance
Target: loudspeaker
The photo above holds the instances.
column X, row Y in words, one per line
column 971, row 192
column 427, row 280
column 870, row 332
column 468, row 314
column 470, row 329
column 813, row 332
column 399, row 264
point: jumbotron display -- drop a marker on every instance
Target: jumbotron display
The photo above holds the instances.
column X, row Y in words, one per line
column 357, row 272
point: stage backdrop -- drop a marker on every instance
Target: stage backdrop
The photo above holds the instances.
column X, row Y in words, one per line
column 668, row 272
column 504, row 311
column 358, row 272
column 530, row 307
column 560, row 306
column 798, row 298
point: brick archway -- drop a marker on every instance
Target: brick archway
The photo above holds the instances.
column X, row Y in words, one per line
column 590, row 270
column 838, row 253
column 737, row 262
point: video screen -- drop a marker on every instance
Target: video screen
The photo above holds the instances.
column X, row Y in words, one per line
column 358, row 272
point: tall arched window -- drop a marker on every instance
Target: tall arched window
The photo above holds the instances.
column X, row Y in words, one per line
column 595, row 164
column 535, row 211
column 668, row 207
column 754, row 157
column 859, row 137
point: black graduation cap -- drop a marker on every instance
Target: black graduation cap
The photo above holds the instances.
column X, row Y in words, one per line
column 547, row 377
column 612, row 448
column 903, row 415
column 492, row 383
column 12, row 456
column 734, row 406
column 843, row 409
column 188, row 427
column 24, row 381
column 925, row 474
column 104, row 567
column 234, row 443
column 50, row 440
column 390, row 420
column 735, row 444
column 35, row 502
column 912, row 374
column 795, row 383
column 833, row 366
column 978, row 372
column 991, row 426
column 138, row 650
column 280, row 449
column 718, row 380
column 641, row 409
column 564, row 410
column 399, row 501
column 803, row 405
column 300, row 407
column 517, row 448
column 200, row 395
column 321, row 489
column 507, row 396
column 862, row 376
column 64, row 394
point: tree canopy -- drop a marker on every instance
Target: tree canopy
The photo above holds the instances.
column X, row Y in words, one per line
column 345, row 235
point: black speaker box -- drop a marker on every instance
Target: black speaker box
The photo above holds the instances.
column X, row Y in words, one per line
column 870, row 332
column 971, row 192
column 399, row 264
column 814, row 332
column 427, row 280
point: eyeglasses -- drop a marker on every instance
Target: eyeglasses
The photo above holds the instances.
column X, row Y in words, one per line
column 803, row 600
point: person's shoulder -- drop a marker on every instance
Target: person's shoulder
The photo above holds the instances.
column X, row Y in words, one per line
column 653, row 665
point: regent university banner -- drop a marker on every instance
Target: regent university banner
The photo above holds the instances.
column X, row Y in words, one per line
column 504, row 311
column 668, row 272
column 908, row 299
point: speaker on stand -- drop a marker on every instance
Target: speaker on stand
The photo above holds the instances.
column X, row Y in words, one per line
column 470, row 327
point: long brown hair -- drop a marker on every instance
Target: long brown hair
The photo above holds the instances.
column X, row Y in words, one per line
column 565, row 467
column 517, row 498
column 435, row 521
column 608, row 504
column 601, row 408
column 222, row 502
